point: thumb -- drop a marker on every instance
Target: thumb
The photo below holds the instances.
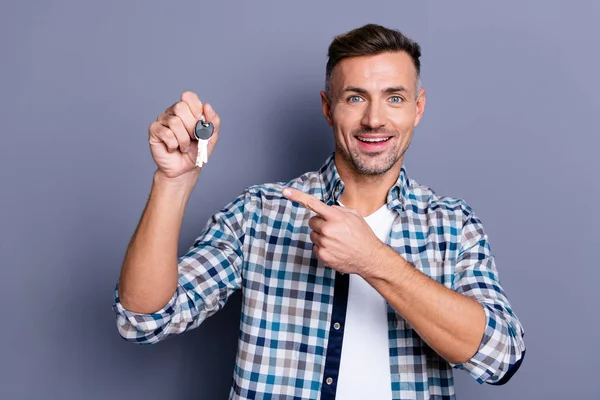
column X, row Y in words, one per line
column 212, row 116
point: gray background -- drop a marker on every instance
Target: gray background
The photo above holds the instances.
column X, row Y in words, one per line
column 511, row 126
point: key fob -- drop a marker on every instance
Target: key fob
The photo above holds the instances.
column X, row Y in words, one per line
column 203, row 130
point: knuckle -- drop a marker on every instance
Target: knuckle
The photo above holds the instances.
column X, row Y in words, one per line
column 165, row 133
column 154, row 127
column 170, row 140
column 185, row 141
column 188, row 96
column 322, row 254
column 173, row 121
column 180, row 107
column 161, row 131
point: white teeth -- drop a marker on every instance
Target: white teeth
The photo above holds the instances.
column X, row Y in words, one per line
column 373, row 140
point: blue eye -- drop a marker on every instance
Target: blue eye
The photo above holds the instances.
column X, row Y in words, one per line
column 396, row 99
column 354, row 99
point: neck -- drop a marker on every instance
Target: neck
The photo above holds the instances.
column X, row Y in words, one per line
column 365, row 193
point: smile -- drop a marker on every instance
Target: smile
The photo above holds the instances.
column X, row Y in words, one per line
column 373, row 140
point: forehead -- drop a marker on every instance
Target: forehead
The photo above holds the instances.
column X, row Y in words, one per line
column 374, row 72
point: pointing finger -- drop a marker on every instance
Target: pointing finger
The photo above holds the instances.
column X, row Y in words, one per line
column 310, row 202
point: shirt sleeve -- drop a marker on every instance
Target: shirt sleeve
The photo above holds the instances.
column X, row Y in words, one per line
column 209, row 274
column 502, row 347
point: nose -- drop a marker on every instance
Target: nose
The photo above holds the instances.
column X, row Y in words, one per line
column 374, row 116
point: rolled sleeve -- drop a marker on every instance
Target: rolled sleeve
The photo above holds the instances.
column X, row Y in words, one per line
column 143, row 328
column 209, row 274
column 502, row 347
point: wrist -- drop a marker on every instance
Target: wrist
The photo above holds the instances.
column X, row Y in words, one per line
column 180, row 186
column 371, row 266
column 383, row 264
column 184, row 181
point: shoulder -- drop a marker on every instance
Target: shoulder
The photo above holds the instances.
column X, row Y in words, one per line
column 449, row 216
column 424, row 200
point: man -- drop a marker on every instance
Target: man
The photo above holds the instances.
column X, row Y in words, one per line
column 357, row 281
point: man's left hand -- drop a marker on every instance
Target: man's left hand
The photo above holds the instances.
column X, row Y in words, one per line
column 341, row 237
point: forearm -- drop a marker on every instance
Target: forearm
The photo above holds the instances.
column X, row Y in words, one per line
column 149, row 274
column 452, row 324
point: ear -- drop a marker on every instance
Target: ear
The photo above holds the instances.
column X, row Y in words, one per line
column 421, row 101
column 326, row 108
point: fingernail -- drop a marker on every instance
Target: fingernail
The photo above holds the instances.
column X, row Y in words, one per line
column 286, row 192
column 186, row 149
column 209, row 109
column 200, row 117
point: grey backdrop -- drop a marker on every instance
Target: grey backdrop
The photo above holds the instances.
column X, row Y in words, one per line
column 511, row 125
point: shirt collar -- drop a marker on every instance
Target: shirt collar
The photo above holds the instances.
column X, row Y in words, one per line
column 398, row 196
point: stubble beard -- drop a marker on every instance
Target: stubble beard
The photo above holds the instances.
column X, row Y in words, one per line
column 372, row 164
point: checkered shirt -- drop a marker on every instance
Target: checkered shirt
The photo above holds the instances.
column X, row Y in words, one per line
column 260, row 244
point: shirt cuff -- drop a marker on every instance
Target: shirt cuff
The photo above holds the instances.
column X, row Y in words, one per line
column 143, row 328
column 490, row 362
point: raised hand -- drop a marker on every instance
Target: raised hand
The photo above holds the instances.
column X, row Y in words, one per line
column 172, row 142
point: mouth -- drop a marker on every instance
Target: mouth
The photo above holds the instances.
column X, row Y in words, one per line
column 373, row 142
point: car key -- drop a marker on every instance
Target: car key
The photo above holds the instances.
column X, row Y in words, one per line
column 203, row 132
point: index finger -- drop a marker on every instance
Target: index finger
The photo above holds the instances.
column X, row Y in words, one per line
column 193, row 102
column 308, row 201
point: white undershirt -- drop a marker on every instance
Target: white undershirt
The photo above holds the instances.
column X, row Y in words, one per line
column 365, row 360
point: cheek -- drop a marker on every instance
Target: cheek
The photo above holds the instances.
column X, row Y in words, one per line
column 346, row 119
column 403, row 121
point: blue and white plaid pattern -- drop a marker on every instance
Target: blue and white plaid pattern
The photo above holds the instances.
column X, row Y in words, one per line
column 260, row 243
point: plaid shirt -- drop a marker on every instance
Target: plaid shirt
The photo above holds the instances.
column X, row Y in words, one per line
column 260, row 243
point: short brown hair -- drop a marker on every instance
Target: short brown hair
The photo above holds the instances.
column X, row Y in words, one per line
column 370, row 39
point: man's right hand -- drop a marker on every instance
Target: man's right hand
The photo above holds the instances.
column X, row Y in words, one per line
column 173, row 145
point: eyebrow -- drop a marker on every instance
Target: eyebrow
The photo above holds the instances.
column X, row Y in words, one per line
column 393, row 89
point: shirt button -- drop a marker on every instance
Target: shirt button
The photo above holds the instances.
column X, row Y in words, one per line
column 329, row 381
column 337, row 326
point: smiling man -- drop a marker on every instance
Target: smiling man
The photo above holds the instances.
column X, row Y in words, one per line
column 357, row 281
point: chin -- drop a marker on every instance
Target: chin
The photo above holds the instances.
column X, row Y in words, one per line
column 377, row 165
column 372, row 170
column 372, row 164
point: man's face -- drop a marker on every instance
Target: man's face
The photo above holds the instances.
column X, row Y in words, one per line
column 373, row 109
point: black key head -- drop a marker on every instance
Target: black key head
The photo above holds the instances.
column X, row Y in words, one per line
column 203, row 130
